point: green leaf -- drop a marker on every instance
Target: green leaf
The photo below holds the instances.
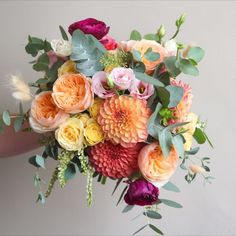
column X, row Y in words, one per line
column 152, row 56
column 6, row 118
column 52, row 73
column 178, row 143
column 164, row 96
column 41, row 198
column 18, row 122
column 152, row 214
column 127, row 208
column 196, row 53
column 87, row 51
column 171, row 203
column 165, row 140
column 139, row 67
column 193, row 151
column 104, row 179
column 122, row 194
column 47, row 46
column 136, row 54
column 44, row 58
column 148, row 79
column 37, row 161
column 152, row 126
column 171, row 187
column 208, row 140
column 34, row 46
column 117, row 184
column 176, row 94
column 150, row 37
column 70, row 171
column 63, row 33
column 140, row 229
column 154, row 228
column 199, row 136
column 187, row 67
column 42, row 81
column 135, row 35
column 1, row 126
column 171, row 67
column 40, row 66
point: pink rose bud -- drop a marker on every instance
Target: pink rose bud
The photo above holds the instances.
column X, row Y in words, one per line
column 109, row 43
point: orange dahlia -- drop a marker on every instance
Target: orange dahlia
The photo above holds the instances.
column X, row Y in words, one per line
column 113, row 160
column 124, row 120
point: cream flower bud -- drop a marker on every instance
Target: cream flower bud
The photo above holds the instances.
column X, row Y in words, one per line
column 61, row 47
column 196, row 168
column 171, row 47
column 161, row 31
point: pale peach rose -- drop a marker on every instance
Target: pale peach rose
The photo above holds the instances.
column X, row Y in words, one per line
column 154, row 166
column 44, row 114
column 73, row 93
column 142, row 46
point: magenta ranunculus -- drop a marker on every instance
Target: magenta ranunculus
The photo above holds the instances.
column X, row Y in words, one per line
column 141, row 193
column 141, row 89
column 90, row 26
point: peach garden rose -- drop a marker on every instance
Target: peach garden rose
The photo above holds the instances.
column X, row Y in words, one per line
column 44, row 114
column 73, row 93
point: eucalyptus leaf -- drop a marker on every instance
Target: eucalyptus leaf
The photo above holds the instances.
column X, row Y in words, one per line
column 170, row 63
column 176, row 95
column 196, row 53
column 70, row 171
column 187, row 67
column 193, row 151
column 154, row 228
column 127, row 208
column 37, row 161
column 6, row 118
column 18, row 122
column 178, row 143
column 171, row 187
column 41, row 198
column 171, row 203
column 148, row 79
column 152, row 56
column 63, row 33
column 136, row 54
column 140, row 229
column 152, row 214
column 164, row 96
column 135, row 35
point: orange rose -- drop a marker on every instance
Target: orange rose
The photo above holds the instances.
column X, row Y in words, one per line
column 142, row 46
column 154, row 166
column 72, row 93
column 44, row 114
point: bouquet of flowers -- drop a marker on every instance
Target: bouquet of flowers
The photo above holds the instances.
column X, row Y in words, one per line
column 114, row 110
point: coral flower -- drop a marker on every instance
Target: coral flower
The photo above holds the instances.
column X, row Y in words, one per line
column 72, row 93
column 124, row 120
column 154, row 166
column 182, row 110
column 113, row 160
column 44, row 114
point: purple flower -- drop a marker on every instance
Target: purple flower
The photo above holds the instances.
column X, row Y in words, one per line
column 141, row 90
column 142, row 193
column 90, row 26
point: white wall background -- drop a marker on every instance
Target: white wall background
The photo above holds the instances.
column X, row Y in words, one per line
column 207, row 210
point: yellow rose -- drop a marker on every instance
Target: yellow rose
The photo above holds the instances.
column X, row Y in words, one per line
column 69, row 67
column 95, row 108
column 190, row 127
column 84, row 117
column 70, row 134
column 93, row 133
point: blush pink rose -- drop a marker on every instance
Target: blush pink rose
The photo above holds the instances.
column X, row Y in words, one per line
column 44, row 114
column 141, row 90
column 122, row 77
column 109, row 43
column 100, row 86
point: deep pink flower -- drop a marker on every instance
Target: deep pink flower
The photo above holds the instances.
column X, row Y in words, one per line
column 141, row 90
column 100, row 86
column 141, row 193
column 90, row 26
column 109, row 43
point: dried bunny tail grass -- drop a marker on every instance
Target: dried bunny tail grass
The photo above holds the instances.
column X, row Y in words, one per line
column 21, row 90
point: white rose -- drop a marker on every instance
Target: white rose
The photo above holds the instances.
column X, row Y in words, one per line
column 171, row 47
column 61, row 47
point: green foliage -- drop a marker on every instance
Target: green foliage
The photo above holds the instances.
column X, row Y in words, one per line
column 87, row 52
column 127, row 208
column 199, row 136
column 18, row 122
column 154, row 228
column 37, row 161
column 41, row 198
column 196, row 54
column 117, row 184
column 63, row 33
column 6, row 118
column 171, row 203
column 148, row 79
column 89, row 186
column 135, row 35
column 171, row 187
column 151, row 56
column 170, row 63
column 52, row 182
column 152, row 214
column 136, row 54
column 122, row 195
column 187, row 67
column 140, row 229
column 176, row 95
column 70, row 171
column 151, row 37
column 178, row 24
column 42, row 63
